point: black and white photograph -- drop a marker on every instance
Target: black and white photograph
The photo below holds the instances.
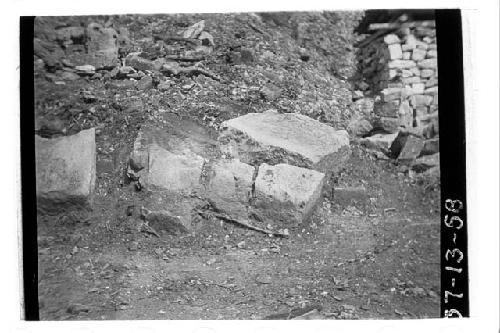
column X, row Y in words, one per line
column 266, row 165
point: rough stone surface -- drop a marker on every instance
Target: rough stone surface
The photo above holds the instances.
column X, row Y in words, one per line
column 102, row 47
column 406, row 147
column 164, row 222
column 231, row 180
column 431, row 146
column 177, row 173
column 380, row 142
column 360, row 127
column 287, row 138
column 65, row 171
column 388, row 124
column 391, row 39
column 139, row 63
column 290, row 184
column 395, row 51
column 402, row 64
column 426, row 162
column 428, row 63
column 346, row 196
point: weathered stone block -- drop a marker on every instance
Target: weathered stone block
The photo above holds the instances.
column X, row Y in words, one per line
column 177, row 173
column 395, row 51
column 391, row 39
column 420, row 100
column 380, row 142
column 65, row 171
column 406, row 147
column 389, row 124
column 418, row 54
column 402, row 64
column 137, row 62
column 101, row 46
column 359, row 127
column 431, row 82
column 428, row 63
column 230, row 179
column 431, row 90
column 418, row 88
column 431, row 146
column 432, row 54
column 290, row 184
column 426, row 73
column 284, row 138
column 410, row 80
column 389, row 109
column 426, row 162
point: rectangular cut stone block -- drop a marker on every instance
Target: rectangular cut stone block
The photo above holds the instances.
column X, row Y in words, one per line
column 430, row 63
column 402, row 64
column 273, row 138
column 420, row 100
column 426, row 73
column 177, row 173
column 290, row 184
column 65, row 171
column 418, row 54
column 395, row 51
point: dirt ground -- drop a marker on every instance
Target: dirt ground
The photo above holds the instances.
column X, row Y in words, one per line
column 374, row 254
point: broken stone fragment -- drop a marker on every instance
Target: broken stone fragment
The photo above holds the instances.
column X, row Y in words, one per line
column 195, row 30
column 163, row 221
column 380, row 142
column 65, row 171
column 290, row 184
column 431, row 146
column 206, row 39
column 391, row 39
column 406, row 146
column 273, row 137
column 426, row 162
column 85, row 70
column 137, row 62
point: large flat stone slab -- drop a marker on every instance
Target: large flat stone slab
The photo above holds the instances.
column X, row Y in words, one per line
column 65, row 171
column 272, row 137
column 290, row 185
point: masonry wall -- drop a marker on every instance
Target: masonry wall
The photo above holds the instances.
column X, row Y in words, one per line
column 399, row 70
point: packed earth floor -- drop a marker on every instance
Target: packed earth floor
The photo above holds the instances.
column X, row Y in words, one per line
column 369, row 251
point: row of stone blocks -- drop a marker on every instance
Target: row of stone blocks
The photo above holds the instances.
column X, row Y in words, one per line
column 265, row 159
column 273, row 160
